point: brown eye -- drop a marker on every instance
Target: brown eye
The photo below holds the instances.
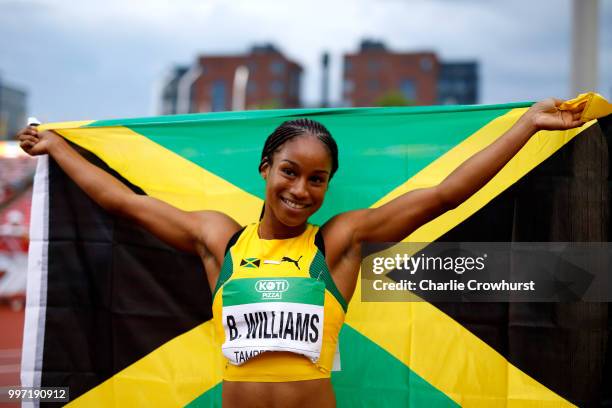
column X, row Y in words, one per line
column 317, row 179
column 288, row 172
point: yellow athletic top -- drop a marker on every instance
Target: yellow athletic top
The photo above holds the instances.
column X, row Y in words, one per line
column 276, row 308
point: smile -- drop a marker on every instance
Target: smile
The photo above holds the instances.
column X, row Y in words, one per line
column 293, row 204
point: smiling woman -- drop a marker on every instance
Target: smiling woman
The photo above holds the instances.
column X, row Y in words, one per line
column 299, row 311
column 281, row 285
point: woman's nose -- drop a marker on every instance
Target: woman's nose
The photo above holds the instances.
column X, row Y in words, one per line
column 298, row 189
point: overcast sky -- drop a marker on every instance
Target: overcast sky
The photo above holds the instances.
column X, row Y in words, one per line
column 101, row 59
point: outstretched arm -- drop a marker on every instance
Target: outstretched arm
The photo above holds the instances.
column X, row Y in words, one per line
column 203, row 232
column 398, row 218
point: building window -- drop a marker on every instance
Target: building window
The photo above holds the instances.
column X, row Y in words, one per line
column 346, row 103
column 408, row 88
column 251, row 87
column 276, row 87
column 217, row 96
column 374, row 65
column 252, row 66
column 348, row 66
column 445, row 86
column 373, row 85
column 294, row 85
column 461, row 87
column 277, row 67
column 348, row 86
column 425, row 64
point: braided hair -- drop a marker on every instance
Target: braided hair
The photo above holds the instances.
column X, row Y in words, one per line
column 293, row 128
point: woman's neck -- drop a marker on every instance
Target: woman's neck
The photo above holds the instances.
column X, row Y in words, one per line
column 274, row 229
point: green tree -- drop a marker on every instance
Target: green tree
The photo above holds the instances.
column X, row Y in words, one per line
column 394, row 98
column 268, row 104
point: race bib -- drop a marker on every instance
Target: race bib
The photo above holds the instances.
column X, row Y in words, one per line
column 269, row 314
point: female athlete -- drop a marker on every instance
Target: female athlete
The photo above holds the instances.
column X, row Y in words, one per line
column 281, row 286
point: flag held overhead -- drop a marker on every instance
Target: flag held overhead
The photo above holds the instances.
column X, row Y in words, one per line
column 123, row 319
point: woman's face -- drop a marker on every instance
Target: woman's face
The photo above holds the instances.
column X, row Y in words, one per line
column 296, row 180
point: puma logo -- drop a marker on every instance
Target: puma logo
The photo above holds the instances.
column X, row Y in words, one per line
column 293, row 261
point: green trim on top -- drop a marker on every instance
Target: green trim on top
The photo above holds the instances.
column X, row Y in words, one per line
column 249, row 291
column 320, row 271
column 275, row 113
column 226, row 272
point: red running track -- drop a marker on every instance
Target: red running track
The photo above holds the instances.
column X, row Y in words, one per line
column 11, row 336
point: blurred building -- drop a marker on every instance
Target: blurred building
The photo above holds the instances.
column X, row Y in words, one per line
column 375, row 71
column 325, row 80
column 12, row 110
column 169, row 91
column 268, row 79
column 458, row 83
column 420, row 78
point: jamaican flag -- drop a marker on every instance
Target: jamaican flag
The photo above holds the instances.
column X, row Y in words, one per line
column 124, row 320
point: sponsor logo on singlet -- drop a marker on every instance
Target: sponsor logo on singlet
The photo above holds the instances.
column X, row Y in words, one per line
column 262, row 315
column 296, row 262
column 271, row 288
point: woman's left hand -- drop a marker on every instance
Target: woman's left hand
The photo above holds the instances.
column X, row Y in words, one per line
column 545, row 115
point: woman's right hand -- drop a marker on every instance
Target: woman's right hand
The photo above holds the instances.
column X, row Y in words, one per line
column 34, row 142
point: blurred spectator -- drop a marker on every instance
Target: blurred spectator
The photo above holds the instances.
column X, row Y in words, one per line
column 16, row 174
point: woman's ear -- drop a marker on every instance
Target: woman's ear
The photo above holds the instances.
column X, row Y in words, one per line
column 264, row 168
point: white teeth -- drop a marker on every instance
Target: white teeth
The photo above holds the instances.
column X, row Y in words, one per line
column 293, row 204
